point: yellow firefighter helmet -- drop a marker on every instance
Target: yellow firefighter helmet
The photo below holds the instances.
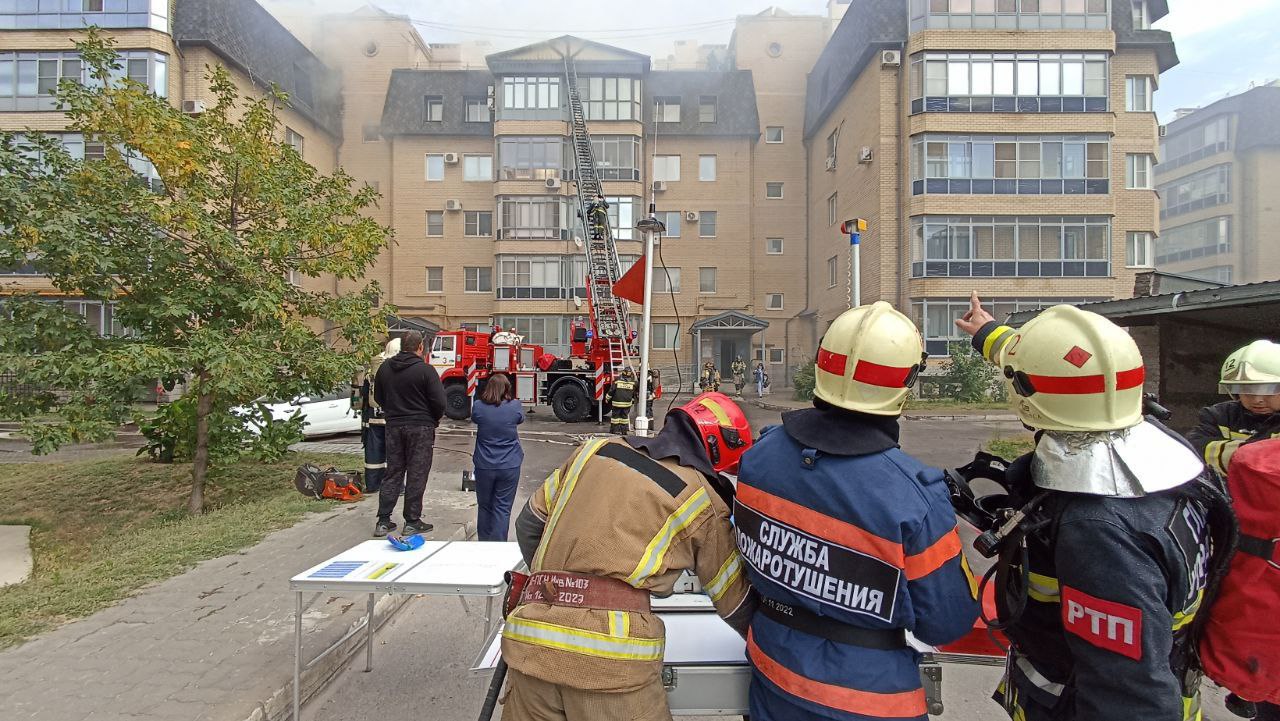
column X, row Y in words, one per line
column 868, row 360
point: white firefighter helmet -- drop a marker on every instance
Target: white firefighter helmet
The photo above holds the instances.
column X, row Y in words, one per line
column 1072, row 370
column 1252, row 370
column 391, row 349
column 868, row 359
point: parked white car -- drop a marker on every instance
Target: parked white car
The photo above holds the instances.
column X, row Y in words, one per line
column 322, row 415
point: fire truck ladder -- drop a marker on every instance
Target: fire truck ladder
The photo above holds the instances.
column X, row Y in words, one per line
column 610, row 312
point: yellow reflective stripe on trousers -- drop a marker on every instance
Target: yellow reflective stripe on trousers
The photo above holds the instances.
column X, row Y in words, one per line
column 1043, row 588
column 1191, row 708
column 550, row 489
column 588, row 643
column 619, row 624
column 651, row 561
column 1187, row 615
column 728, row 573
column 570, row 480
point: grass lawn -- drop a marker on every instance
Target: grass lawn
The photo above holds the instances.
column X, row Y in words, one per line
column 1010, row 447
column 103, row 529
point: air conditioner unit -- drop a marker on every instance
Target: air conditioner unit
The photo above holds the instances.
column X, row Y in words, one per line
column 891, row 58
column 1163, row 130
column 865, row 154
column 451, row 158
column 659, row 186
column 691, row 216
column 553, row 183
column 193, row 107
column 831, row 162
column 453, row 205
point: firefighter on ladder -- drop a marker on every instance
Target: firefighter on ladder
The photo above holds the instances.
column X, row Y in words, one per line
column 1100, row 597
column 621, row 396
column 850, row 542
column 598, row 217
column 582, row 642
column 373, row 426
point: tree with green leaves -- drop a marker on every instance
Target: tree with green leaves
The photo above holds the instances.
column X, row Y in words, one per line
column 196, row 263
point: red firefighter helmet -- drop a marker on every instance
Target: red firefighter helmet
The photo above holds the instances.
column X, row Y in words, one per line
column 723, row 427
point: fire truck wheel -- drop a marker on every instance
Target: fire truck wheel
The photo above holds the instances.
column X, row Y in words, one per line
column 570, row 403
column 457, row 404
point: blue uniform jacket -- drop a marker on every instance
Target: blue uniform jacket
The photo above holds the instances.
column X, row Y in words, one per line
column 834, row 518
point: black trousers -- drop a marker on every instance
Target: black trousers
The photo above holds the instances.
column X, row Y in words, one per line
column 374, row 436
column 619, row 420
column 409, row 454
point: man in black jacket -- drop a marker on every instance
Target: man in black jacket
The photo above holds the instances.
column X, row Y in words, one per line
column 412, row 398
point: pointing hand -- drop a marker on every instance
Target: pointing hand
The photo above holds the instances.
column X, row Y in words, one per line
column 977, row 316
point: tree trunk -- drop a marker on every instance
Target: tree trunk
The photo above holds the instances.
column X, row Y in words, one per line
column 200, row 464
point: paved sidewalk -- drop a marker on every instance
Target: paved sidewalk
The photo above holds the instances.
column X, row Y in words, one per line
column 216, row 643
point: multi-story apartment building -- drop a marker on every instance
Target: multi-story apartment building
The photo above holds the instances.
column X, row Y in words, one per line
column 999, row 145
column 1003, row 146
column 168, row 46
column 1217, row 180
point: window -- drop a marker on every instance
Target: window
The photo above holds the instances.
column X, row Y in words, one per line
column 1137, row 173
column 1011, row 14
column 616, row 156
column 610, row 98
column 773, row 246
column 833, row 144
column 832, row 270
column 371, row 132
column 435, row 223
column 707, row 224
column 706, row 280
column 293, row 139
column 433, row 109
column 1216, row 274
column 706, row 167
column 1205, row 189
column 666, row 336
column 666, row 280
column 531, row 217
column 549, row 331
column 27, row 79
column 537, row 277
column 1138, row 250
column 831, row 209
column 435, row 167
column 936, row 316
column 530, row 98
column 666, row 168
column 91, row 6
column 773, row 301
column 1049, row 82
column 672, row 219
column 622, row 216
column 477, row 280
column 478, row 223
column 773, row 191
column 1203, row 140
column 531, row 158
column 777, row 356
column 435, row 279
column 477, row 168
column 1005, row 246
column 773, row 134
column 1137, row 93
column 1010, row 165
column 666, row 109
column 477, row 110
column 76, row 14
column 706, row 108
column 1201, row 239
column 1141, row 15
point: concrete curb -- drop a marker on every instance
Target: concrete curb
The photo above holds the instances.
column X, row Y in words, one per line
column 279, row 705
column 908, row 416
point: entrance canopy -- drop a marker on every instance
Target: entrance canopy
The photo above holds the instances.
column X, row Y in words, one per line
column 730, row 320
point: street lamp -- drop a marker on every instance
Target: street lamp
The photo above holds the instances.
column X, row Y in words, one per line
column 649, row 226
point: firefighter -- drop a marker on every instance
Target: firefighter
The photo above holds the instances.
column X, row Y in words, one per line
column 1100, row 595
column 709, row 382
column 1251, row 376
column 621, row 396
column 739, row 370
column 373, row 426
column 582, row 643
column 655, row 387
column 598, row 217
column 849, row 541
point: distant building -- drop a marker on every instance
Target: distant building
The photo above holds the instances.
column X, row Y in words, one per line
column 1219, row 178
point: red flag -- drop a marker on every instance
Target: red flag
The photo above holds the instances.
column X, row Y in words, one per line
column 631, row 285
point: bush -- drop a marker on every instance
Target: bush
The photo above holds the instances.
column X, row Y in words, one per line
column 804, row 380
column 972, row 378
column 171, row 434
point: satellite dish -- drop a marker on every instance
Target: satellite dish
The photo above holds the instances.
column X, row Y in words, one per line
column 577, row 241
column 577, row 302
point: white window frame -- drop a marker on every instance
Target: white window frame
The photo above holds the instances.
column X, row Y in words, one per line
column 702, row 219
column 833, row 273
column 472, row 277
column 468, row 176
column 781, row 134
column 439, row 273
column 427, row 159
column 769, row 186
column 832, row 201
column 702, row 106
column 665, row 110
column 703, row 167
column 770, row 297
column 1139, row 249
column 1138, row 99
column 666, row 336
column 666, row 168
column 432, row 109
column 470, row 103
column 768, row 246
column 1138, row 171
column 466, row 223
column 428, row 222
column 1141, row 15
column 293, row 139
column 666, row 282
column 702, row 280
column 777, row 356
column 673, row 219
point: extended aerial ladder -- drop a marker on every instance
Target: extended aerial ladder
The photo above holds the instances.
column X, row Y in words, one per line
column 609, row 312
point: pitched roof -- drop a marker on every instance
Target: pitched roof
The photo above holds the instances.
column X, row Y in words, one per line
column 250, row 39
column 519, row 60
column 734, row 91
column 867, row 28
column 403, row 112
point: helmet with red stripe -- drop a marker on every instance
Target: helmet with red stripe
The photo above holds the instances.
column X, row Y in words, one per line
column 723, row 427
column 868, row 359
column 1072, row 370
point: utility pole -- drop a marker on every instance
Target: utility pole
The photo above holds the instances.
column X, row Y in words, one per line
column 855, row 228
column 648, row 226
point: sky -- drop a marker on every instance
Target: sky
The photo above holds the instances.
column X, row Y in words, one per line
column 1223, row 45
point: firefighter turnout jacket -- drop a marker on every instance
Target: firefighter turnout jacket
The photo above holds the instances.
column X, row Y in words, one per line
column 612, row 510
column 1224, row 427
column 849, row 542
column 622, row 393
column 1114, row 585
